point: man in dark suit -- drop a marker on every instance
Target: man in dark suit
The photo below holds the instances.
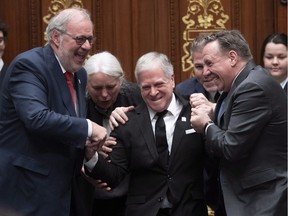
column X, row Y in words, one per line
column 166, row 181
column 250, row 130
column 42, row 130
column 201, row 89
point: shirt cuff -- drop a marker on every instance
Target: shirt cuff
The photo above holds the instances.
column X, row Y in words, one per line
column 89, row 128
column 92, row 162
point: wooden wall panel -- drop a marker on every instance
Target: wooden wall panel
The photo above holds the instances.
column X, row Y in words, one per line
column 130, row 28
column 280, row 17
column 20, row 35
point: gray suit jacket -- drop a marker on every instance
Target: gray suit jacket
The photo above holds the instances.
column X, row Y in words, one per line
column 251, row 141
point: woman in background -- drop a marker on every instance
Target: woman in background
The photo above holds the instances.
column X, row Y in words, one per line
column 274, row 57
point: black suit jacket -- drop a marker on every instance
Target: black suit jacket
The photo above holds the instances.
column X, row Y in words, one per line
column 136, row 153
column 41, row 138
column 2, row 73
column 212, row 188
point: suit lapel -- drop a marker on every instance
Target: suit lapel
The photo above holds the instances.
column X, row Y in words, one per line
column 180, row 128
column 55, row 68
column 146, row 129
column 243, row 75
column 79, row 93
column 182, row 124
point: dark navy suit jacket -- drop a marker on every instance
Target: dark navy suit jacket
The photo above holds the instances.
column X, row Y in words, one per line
column 190, row 86
column 213, row 193
column 41, row 138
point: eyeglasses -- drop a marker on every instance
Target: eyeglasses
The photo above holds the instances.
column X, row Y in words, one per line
column 80, row 40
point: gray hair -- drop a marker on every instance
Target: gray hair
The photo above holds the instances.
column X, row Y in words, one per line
column 106, row 63
column 198, row 44
column 154, row 60
column 231, row 40
column 61, row 20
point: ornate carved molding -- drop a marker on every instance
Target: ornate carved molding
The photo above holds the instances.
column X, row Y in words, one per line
column 202, row 16
column 34, row 26
column 58, row 5
column 97, row 18
column 173, row 31
column 236, row 14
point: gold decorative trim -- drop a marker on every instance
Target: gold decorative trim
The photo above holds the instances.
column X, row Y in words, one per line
column 58, row 5
column 202, row 16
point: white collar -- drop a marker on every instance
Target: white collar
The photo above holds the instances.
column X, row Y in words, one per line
column 62, row 68
column 283, row 83
column 1, row 63
column 173, row 108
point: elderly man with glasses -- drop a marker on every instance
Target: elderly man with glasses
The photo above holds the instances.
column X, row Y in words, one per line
column 43, row 125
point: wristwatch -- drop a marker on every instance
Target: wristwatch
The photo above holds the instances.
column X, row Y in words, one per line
column 207, row 124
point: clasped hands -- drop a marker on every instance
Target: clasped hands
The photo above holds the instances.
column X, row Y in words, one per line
column 202, row 111
column 96, row 141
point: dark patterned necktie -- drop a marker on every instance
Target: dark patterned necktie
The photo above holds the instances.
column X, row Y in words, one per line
column 216, row 97
column 160, row 137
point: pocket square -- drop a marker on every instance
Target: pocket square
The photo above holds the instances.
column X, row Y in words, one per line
column 189, row 131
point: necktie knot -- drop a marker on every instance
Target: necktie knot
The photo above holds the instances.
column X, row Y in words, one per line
column 216, row 96
column 68, row 76
column 161, row 114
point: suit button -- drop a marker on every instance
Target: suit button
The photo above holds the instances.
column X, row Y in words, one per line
column 160, row 199
column 169, row 177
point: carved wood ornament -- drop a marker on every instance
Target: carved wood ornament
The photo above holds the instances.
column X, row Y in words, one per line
column 202, row 16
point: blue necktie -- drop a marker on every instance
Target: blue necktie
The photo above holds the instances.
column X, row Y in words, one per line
column 219, row 107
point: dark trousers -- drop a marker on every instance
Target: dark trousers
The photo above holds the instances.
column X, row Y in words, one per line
column 109, row 207
column 164, row 212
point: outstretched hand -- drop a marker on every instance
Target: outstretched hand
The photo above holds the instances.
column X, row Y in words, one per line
column 119, row 115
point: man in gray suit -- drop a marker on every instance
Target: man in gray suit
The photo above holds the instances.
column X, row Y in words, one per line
column 250, row 130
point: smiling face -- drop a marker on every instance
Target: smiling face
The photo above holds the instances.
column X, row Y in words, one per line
column 275, row 60
column 219, row 65
column 103, row 89
column 70, row 54
column 207, row 81
column 156, row 88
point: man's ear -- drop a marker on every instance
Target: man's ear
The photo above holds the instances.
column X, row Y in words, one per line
column 55, row 37
column 233, row 56
column 173, row 80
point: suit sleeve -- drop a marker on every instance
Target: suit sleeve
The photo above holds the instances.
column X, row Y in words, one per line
column 113, row 172
column 248, row 112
